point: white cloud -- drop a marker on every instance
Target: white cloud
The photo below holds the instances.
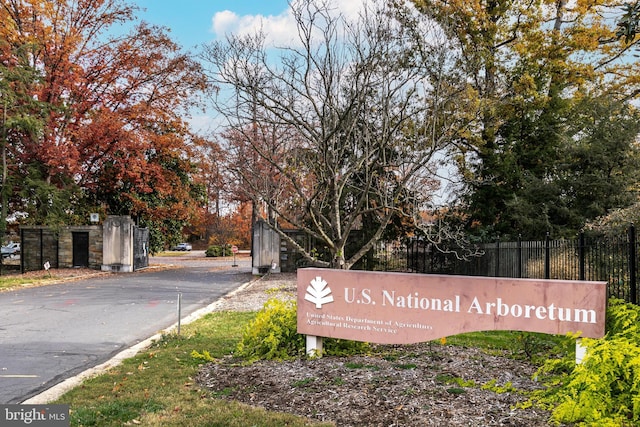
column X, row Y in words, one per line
column 279, row 29
column 224, row 22
column 204, row 124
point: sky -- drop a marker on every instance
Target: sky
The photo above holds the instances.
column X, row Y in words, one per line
column 194, row 22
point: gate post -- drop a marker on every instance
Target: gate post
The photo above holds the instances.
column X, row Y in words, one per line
column 266, row 249
column 117, row 252
column 547, row 257
column 519, row 267
column 581, row 257
column 497, row 257
column 21, row 250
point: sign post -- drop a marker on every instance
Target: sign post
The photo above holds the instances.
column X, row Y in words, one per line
column 234, row 249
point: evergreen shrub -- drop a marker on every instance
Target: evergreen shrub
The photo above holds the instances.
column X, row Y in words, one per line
column 218, row 251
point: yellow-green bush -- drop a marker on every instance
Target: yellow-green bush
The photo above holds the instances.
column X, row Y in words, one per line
column 273, row 335
column 604, row 390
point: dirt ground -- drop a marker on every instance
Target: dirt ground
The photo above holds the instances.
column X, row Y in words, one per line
column 427, row 384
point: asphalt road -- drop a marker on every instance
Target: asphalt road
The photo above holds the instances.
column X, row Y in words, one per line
column 51, row 333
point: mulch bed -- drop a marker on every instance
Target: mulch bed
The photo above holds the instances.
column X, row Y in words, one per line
column 425, row 384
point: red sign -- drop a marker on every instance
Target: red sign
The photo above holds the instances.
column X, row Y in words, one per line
column 399, row 308
column 234, row 249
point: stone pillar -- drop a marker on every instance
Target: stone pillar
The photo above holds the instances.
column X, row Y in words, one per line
column 117, row 249
column 266, row 249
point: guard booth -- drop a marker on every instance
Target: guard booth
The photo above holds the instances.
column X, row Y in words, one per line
column 67, row 247
column 266, row 249
column 116, row 245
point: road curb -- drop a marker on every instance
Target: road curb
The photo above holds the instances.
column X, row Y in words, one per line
column 61, row 388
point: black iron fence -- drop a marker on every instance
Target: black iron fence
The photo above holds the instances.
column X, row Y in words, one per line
column 613, row 259
column 39, row 245
column 597, row 257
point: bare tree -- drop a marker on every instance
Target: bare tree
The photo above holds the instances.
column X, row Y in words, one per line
column 342, row 131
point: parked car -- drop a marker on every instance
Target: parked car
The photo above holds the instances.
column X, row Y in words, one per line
column 183, row 247
column 10, row 249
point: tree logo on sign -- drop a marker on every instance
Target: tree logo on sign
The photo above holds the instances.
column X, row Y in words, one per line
column 318, row 292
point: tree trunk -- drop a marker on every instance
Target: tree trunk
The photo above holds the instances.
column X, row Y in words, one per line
column 338, row 261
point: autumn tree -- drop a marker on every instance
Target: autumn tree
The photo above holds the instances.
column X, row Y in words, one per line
column 338, row 133
column 628, row 25
column 530, row 65
column 114, row 140
column 22, row 118
column 227, row 216
column 232, row 227
column 211, row 156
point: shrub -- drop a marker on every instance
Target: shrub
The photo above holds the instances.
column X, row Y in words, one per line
column 605, row 388
column 217, row 251
column 273, row 335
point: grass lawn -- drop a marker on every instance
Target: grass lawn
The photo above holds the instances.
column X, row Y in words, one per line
column 156, row 388
column 171, row 253
column 8, row 282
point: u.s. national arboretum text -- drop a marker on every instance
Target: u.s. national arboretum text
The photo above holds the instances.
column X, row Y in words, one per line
column 399, row 308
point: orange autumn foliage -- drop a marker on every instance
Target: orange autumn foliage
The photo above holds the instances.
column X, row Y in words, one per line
column 115, row 126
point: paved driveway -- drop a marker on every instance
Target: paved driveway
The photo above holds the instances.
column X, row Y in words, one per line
column 50, row 333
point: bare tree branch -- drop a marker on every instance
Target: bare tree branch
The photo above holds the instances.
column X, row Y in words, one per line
column 340, row 133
